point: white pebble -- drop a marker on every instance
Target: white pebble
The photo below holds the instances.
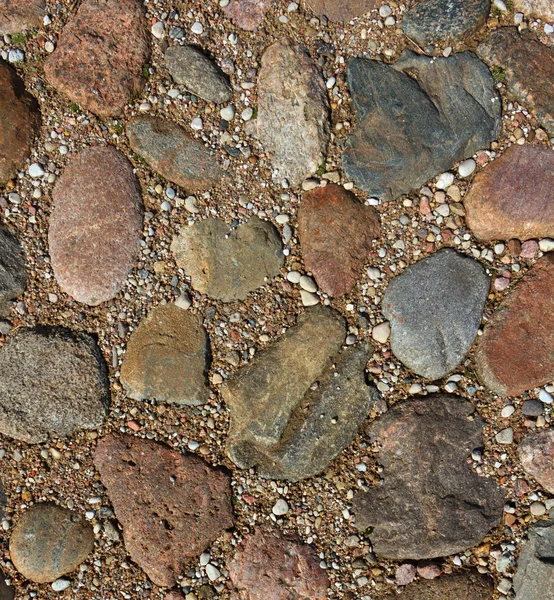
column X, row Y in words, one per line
column 508, row 411
column 445, row 181
column 183, row 301
column 145, row 106
column 308, row 299
column 190, row 204
column 212, row 572
column 308, row 284
column 36, row 170
column 15, row 56
column 227, row 112
column 281, row 508
column 247, row 113
column 466, row 168
column 197, row 124
column 373, row 273
column 282, row 219
column 546, row 245
column 197, row 28
column 294, row 276
column 537, row 509
column 500, row 5
column 49, row 47
column 450, row 387
column 415, row 388
column 385, row 11
column 166, row 206
column 158, row 30
column 506, row 436
column 60, row 585
column 204, row 559
column 548, row 29
column 545, row 397
column 381, row 333
column 390, row 21
column 499, row 248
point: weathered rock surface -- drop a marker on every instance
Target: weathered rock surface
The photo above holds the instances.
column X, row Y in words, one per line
column 541, row 9
column 13, row 275
column 430, row 503
column 228, row 265
column 7, row 592
column 443, row 110
column 167, row 358
column 293, row 111
column 100, row 54
column 527, row 69
column 470, row 585
column 534, row 579
column 3, row 501
column 53, row 382
column 49, row 541
column 171, row 506
column 516, row 351
column 513, row 197
column 247, row 14
column 283, row 424
column 536, row 454
column 167, row 148
column 198, row 73
column 435, row 308
column 269, row 564
column 96, row 224
column 20, row 15
column 433, row 21
column 336, row 232
column 19, row 122
column 342, row 10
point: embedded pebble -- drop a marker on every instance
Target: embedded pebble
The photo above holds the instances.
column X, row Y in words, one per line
column 280, row 508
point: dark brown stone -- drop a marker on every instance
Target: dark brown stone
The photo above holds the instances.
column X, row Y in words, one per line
column 270, row 565
column 7, row 592
column 19, row 15
column 100, row 54
column 526, row 68
column 336, row 232
column 171, row 506
column 536, row 453
column 342, row 10
column 469, row 585
column 516, row 351
column 19, row 122
column 96, row 224
column 247, row 14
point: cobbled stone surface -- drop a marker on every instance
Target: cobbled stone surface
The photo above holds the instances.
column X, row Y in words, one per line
column 342, row 10
column 21, row 15
column 536, row 453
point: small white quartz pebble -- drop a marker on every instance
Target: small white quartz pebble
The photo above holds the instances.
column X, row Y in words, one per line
column 546, row 245
column 308, row 284
column 466, row 168
column 212, row 572
column 450, row 386
column 197, row 28
column 445, row 181
column 227, row 112
column 190, row 204
column 49, row 47
column 158, row 30
column 246, row 114
column 204, row 559
column 183, row 301
column 385, row 11
column 308, row 299
column 373, row 273
column 294, row 276
column 548, row 29
column 506, row 436
column 415, row 388
column 501, row 5
column 508, row 411
column 36, row 170
column 380, row 333
column 197, row 124
column 545, row 397
column 281, row 508
column 60, row 585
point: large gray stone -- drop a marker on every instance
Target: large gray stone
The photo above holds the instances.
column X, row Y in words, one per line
column 534, row 579
column 435, row 112
column 429, row 503
column 435, row 309
column 281, row 422
column 13, row 275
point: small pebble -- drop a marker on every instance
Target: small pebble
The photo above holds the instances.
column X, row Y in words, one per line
column 381, row 333
column 532, row 408
column 158, row 30
column 197, row 28
column 309, row 299
column 508, row 411
column 281, row 508
column 506, row 436
column 537, row 509
column 546, row 245
column 466, row 168
column 227, row 112
column 197, row 124
column 308, row 284
column 212, row 572
column 36, row 170
column 294, row 276
column 60, row 585
column 445, row 181
column 545, row 397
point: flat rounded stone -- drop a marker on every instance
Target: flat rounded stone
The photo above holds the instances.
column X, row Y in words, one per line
column 516, row 351
column 536, row 454
column 49, row 541
column 513, row 197
column 247, row 14
column 100, row 54
column 53, row 382
column 228, row 265
column 19, row 122
column 468, row 585
column 21, row 15
column 96, row 224
column 269, row 564
column 434, row 308
column 336, row 233
column 532, row 408
column 167, row 358
column 13, row 274
column 171, row 506
column 342, row 10
column 169, row 150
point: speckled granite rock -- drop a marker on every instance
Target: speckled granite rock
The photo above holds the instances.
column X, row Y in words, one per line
column 469, row 585
column 247, row 14
column 20, row 15
column 13, row 274
column 342, row 10
column 536, row 454
column 534, row 578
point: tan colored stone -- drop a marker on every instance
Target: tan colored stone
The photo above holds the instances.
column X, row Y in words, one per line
column 469, row 585
column 536, row 453
column 342, row 10
column 20, row 15
column 540, row 9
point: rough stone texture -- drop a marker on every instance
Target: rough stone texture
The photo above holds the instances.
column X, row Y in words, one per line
column 430, row 502
column 167, row 358
column 342, row 10
column 516, row 351
column 433, row 21
column 541, row 9
column 198, row 73
column 435, row 308
column 536, row 453
column 469, row 585
column 269, row 564
column 20, row 15
column 448, row 112
column 96, row 224
column 228, row 265
column 53, row 382
column 293, row 111
column 3, row 502
column 7, row 592
column 280, row 425
column 513, row 197
column 527, row 70
column 534, row 579
column 19, row 122
column 13, row 275
column 100, row 54
column 171, row 506
column 336, row 232
column 167, row 148
column 247, row 14
column 49, row 541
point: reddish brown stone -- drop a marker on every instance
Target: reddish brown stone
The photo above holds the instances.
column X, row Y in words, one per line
column 99, row 59
column 19, row 122
column 173, row 595
column 342, row 10
column 19, row 15
column 536, row 453
column 96, row 224
column 516, row 350
column 336, row 232
column 247, row 14
column 171, row 506
column 271, row 565
column 513, row 197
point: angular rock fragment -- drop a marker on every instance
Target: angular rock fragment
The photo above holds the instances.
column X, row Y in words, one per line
column 536, row 454
column 167, row 148
column 534, row 579
column 13, row 274
column 228, row 265
column 301, row 401
column 342, row 10
column 20, row 15
column 430, row 503
column 293, row 111
column 247, row 14
column 53, row 382
column 336, row 232
column 171, row 506
column 167, row 358
column 436, row 111
column 435, row 309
